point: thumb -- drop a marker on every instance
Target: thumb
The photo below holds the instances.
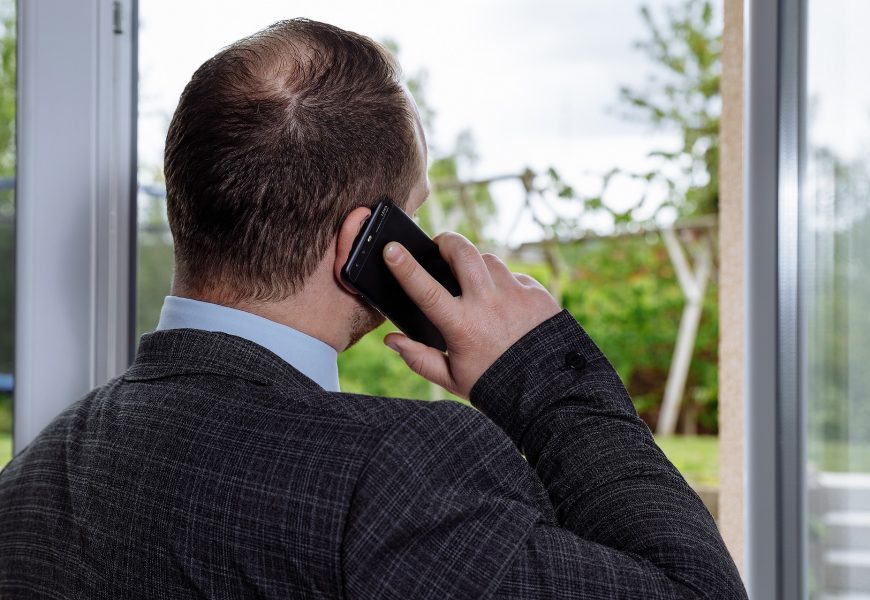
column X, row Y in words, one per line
column 426, row 361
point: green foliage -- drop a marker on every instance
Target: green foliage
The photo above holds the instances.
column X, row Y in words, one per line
column 154, row 278
column 625, row 291
column 369, row 367
column 7, row 88
column 625, row 294
column 475, row 201
column 7, row 293
column 683, row 96
column 5, row 413
column 7, row 197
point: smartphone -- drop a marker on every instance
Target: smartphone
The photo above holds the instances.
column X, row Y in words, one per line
column 366, row 272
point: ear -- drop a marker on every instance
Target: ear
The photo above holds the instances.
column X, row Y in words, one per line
column 346, row 235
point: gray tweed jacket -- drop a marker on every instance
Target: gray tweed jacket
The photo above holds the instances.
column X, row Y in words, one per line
column 213, row 469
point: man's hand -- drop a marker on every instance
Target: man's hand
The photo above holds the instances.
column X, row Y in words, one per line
column 495, row 310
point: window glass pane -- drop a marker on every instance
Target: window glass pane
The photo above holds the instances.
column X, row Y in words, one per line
column 836, row 262
column 562, row 136
column 7, row 221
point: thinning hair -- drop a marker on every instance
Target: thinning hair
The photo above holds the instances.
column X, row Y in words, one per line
column 274, row 141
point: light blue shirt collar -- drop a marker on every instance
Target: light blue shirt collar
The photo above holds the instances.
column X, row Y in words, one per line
column 314, row 358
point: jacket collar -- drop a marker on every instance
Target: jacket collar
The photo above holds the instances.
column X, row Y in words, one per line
column 186, row 351
column 309, row 355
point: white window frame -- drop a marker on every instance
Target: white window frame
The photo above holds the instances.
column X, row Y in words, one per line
column 775, row 457
column 75, row 203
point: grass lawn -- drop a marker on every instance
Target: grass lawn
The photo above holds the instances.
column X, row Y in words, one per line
column 5, row 449
column 697, row 457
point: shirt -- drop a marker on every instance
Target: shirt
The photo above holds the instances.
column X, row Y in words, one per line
column 314, row 358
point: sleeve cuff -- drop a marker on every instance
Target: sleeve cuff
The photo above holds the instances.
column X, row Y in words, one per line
column 533, row 372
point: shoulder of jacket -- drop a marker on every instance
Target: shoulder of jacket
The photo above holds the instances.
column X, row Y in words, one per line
column 387, row 413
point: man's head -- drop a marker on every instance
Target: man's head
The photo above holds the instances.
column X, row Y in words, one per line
column 280, row 145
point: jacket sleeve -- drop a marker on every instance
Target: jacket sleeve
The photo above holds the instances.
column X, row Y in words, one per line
column 448, row 508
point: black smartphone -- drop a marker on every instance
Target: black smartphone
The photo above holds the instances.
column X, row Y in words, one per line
column 367, row 273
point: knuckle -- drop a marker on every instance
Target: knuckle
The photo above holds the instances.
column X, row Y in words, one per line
column 467, row 252
column 454, row 242
column 540, row 292
column 429, row 298
column 445, row 238
column 544, row 298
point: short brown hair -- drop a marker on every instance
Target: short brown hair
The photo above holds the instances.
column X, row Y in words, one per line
column 275, row 139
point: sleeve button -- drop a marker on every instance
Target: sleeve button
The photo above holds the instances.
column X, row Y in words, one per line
column 575, row 360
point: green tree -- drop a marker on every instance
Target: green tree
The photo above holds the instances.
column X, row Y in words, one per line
column 683, row 95
column 632, row 295
column 7, row 88
column 625, row 295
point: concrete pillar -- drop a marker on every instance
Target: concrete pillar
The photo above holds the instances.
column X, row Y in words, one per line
column 731, row 317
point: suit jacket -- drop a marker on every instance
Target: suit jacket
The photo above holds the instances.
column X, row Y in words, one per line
column 213, row 469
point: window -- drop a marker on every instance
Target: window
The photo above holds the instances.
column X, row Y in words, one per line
column 836, row 292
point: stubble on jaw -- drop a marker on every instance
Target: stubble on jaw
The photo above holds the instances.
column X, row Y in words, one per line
column 363, row 320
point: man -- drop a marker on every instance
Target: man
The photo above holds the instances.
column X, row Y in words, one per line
column 225, row 463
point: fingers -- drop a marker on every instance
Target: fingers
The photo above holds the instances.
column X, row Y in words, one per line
column 424, row 360
column 529, row 281
column 499, row 271
column 432, row 298
column 466, row 262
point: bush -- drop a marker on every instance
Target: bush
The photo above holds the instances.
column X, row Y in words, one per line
column 625, row 294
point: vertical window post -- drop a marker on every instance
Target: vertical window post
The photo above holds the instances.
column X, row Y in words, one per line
column 75, row 199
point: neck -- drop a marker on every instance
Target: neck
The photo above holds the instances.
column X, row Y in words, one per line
column 306, row 312
column 312, row 318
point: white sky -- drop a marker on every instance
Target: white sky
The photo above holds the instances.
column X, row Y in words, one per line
column 839, row 96
column 535, row 82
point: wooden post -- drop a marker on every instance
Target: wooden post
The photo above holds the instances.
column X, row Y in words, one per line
column 694, row 285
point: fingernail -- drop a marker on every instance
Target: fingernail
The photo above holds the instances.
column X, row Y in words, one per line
column 393, row 347
column 392, row 252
